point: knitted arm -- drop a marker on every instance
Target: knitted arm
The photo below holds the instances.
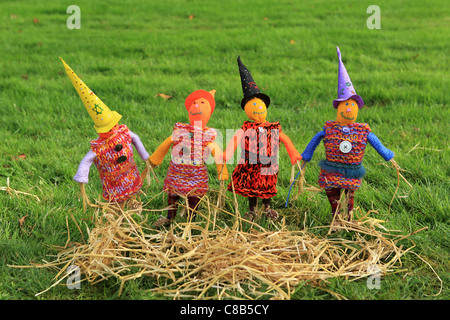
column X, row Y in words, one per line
column 158, row 156
column 139, row 146
column 216, row 152
column 292, row 152
column 82, row 175
column 233, row 144
column 382, row 150
column 312, row 145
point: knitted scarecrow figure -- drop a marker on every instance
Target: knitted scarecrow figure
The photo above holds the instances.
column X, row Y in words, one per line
column 192, row 143
column 345, row 142
column 111, row 152
column 256, row 173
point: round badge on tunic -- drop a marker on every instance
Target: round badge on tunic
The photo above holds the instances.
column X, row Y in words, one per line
column 261, row 129
column 345, row 146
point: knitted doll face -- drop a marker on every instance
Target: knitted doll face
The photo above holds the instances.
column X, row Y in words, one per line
column 199, row 112
column 256, row 110
column 106, row 135
column 347, row 112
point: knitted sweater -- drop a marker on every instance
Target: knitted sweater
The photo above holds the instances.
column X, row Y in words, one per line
column 82, row 174
column 344, row 147
column 201, row 145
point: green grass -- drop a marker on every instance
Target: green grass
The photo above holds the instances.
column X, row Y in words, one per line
column 130, row 51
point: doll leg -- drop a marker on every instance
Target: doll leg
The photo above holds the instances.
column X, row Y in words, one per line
column 334, row 195
column 272, row 214
column 192, row 203
column 350, row 194
column 251, row 214
column 172, row 201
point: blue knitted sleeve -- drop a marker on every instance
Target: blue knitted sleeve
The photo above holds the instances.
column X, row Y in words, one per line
column 382, row 150
column 312, row 145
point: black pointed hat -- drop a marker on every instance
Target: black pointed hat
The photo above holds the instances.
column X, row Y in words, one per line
column 249, row 86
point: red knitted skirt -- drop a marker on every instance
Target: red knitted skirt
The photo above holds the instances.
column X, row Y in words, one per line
column 186, row 180
column 249, row 182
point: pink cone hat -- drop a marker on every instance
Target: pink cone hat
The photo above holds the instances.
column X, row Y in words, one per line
column 345, row 86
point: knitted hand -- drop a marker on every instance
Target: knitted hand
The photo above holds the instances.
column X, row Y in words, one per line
column 218, row 155
column 397, row 167
column 146, row 173
column 296, row 159
column 222, row 172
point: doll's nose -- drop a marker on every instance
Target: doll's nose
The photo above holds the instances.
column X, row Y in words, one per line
column 349, row 110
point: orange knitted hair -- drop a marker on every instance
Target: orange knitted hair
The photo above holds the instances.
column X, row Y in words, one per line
column 200, row 94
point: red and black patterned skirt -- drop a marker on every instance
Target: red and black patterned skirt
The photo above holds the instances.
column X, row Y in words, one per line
column 256, row 174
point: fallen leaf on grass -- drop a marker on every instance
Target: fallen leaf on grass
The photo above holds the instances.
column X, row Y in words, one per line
column 22, row 220
column 191, row 17
column 35, row 20
column 19, row 157
column 162, row 95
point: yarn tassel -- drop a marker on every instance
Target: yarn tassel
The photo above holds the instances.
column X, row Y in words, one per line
column 222, row 190
column 399, row 175
column 301, row 180
column 146, row 173
column 84, row 197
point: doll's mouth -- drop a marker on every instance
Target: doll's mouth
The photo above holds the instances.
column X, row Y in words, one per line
column 196, row 113
column 342, row 114
column 259, row 112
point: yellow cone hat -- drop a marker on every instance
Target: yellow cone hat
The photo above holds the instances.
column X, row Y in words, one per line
column 104, row 119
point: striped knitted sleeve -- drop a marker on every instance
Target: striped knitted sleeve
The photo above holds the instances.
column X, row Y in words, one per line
column 82, row 175
column 382, row 150
column 139, row 146
column 312, row 145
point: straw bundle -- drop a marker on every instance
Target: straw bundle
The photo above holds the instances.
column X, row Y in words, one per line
column 210, row 259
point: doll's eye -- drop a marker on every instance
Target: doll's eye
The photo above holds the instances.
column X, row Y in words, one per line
column 254, row 103
column 346, row 104
column 353, row 104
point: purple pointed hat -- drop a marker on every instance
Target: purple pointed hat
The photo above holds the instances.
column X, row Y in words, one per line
column 345, row 86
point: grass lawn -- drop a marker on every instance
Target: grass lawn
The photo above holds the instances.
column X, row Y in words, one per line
column 128, row 52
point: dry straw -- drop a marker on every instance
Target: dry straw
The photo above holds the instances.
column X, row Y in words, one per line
column 224, row 256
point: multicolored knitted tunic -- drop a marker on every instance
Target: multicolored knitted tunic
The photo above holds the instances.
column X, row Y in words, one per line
column 344, row 151
column 187, row 174
column 256, row 173
column 113, row 158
